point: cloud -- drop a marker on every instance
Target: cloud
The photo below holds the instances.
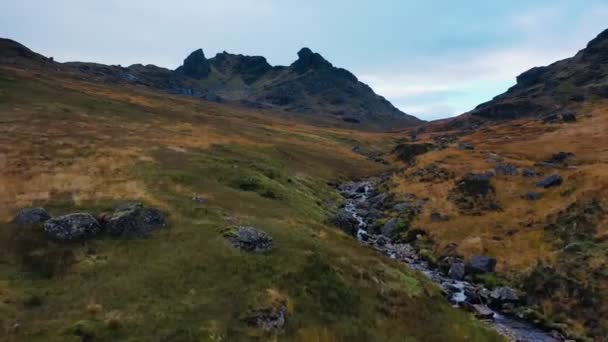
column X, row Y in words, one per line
column 455, row 81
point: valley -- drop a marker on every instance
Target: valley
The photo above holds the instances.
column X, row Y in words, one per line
column 186, row 205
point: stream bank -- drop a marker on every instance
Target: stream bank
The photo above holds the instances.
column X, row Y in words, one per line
column 358, row 214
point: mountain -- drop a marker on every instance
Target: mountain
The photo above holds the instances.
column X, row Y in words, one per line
column 311, row 85
column 231, row 239
column 563, row 85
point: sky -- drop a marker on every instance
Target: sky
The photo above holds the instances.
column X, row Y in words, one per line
column 431, row 58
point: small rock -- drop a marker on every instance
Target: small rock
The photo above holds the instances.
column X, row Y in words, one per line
column 529, row 173
column 507, row 169
column 569, row 117
column 399, row 207
column 31, row 216
column 437, row 217
column 72, row 227
column 200, row 199
column 457, row 271
column 551, row 181
column 465, row 146
column 381, row 240
column 480, row 264
column 532, row 196
column 249, row 239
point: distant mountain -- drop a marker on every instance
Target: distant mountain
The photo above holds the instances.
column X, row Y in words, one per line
column 310, row 86
column 561, row 85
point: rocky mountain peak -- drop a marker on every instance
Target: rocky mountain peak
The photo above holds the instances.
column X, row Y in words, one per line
column 307, row 59
column 196, row 65
column 597, row 48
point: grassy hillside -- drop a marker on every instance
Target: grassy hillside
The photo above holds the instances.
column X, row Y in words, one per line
column 555, row 247
column 73, row 146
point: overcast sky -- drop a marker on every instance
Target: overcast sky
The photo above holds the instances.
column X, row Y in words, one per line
column 430, row 58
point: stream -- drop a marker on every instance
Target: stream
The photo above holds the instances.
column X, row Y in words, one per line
column 458, row 292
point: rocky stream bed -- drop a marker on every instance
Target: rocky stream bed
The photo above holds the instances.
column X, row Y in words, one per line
column 359, row 213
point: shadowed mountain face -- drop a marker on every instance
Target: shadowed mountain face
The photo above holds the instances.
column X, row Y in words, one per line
column 311, row 85
column 561, row 85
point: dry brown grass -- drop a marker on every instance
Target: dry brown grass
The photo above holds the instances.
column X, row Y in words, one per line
column 515, row 235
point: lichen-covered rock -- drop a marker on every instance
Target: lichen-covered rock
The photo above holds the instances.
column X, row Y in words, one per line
column 31, row 216
column 249, row 239
column 72, row 227
column 134, row 220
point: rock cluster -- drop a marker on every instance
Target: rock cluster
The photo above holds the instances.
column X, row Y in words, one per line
column 128, row 220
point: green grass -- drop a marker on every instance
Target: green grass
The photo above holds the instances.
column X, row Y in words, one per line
column 186, row 283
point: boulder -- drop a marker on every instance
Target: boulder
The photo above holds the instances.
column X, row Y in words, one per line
column 134, row 220
column 249, row 239
column 481, row 311
column 457, row 271
column 389, row 227
column 549, row 182
column 504, row 294
column 480, row 264
column 345, row 221
column 72, row 227
column 31, row 216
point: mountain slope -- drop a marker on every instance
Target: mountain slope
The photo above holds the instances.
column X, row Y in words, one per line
column 311, row 86
column 563, row 85
column 77, row 146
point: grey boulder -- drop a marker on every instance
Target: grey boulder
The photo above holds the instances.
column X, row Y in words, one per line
column 457, row 271
column 249, row 239
column 72, row 227
column 134, row 220
column 31, row 216
column 480, row 264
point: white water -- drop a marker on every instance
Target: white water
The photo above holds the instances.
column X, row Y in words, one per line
column 513, row 329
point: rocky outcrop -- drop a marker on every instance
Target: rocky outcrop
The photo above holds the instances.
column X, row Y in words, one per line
column 72, row 227
column 195, row 65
